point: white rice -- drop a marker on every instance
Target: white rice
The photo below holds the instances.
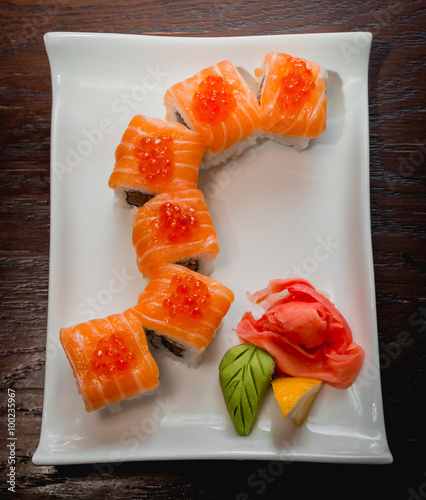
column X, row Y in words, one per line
column 299, row 143
column 213, row 159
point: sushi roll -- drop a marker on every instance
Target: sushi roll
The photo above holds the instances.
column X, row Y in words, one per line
column 110, row 359
column 175, row 227
column 181, row 311
column 219, row 104
column 293, row 104
column 155, row 156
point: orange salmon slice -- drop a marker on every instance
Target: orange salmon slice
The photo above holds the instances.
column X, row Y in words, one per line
column 171, row 161
column 242, row 120
column 183, row 305
column 292, row 96
column 110, row 359
column 174, row 227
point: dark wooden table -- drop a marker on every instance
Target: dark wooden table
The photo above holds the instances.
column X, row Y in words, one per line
column 398, row 153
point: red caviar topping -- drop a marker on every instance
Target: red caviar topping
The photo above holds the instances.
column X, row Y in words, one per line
column 111, row 356
column 214, row 100
column 174, row 223
column 155, row 157
column 188, row 297
column 296, row 85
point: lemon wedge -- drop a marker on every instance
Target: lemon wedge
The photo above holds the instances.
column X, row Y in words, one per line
column 295, row 396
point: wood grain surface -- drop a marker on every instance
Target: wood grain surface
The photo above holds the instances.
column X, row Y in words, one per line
column 398, row 161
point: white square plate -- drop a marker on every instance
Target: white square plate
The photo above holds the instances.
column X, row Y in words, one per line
column 277, row 212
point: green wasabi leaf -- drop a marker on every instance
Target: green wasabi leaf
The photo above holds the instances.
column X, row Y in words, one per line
column 244, row 374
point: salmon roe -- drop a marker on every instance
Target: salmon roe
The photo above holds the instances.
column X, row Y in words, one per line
column 174, row 223
column 112, row 356
column 189, row 297
column 214, row 100
column 296, row 85
column 155, row 158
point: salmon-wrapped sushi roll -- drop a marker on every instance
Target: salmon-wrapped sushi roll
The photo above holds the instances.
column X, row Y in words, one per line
column 181, row 311
column 155, row 156
column 293, row 104
column 110, row 359
column 219, row 104
column 175, row 227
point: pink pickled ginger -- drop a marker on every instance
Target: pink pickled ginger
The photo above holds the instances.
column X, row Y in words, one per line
column 304, row 332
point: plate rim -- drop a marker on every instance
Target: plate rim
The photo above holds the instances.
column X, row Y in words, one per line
column 50, row 38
